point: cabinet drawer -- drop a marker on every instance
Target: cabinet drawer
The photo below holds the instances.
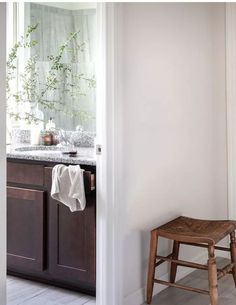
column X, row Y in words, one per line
column 25, row 229
column 31, row 174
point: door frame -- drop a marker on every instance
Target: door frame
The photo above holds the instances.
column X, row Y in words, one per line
column 109, row 208
column 109, row 162
column 231, row 105
column 3, row 11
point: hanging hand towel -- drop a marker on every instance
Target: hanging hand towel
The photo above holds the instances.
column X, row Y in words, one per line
column 68, row 186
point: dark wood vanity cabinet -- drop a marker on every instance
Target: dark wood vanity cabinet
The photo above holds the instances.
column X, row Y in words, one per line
column 72, row 240
column 45, row 241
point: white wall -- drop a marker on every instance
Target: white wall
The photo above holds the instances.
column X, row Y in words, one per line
column 174, row 124
column 2, row 154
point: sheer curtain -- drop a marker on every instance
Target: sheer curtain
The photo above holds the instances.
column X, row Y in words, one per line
column 55, row 25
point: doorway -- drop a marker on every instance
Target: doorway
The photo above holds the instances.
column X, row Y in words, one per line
column 51, row 122
column 109, row 280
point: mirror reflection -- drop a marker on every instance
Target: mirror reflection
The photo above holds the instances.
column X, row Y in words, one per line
column 56, row 68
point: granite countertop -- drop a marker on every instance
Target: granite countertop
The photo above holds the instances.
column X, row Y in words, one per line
column 85, row 155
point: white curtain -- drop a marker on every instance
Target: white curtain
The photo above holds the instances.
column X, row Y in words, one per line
column 55, row 25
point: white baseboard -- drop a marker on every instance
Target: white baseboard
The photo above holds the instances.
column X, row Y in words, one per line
column 138, row 297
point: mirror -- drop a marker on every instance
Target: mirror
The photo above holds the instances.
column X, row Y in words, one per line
column 56, row 22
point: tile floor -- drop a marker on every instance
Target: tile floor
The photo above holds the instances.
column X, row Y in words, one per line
column 24, row 292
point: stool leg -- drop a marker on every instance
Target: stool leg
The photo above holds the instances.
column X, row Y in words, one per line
column 151, row 268
column 212, row 275
column 175, row 255
column 233, row 253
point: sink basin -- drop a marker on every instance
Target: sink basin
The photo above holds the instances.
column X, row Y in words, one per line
column 40, row 152
column 43, row 149
column 52, row 151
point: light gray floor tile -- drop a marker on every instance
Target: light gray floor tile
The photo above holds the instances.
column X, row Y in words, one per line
column 24, row 292
column 91, row 302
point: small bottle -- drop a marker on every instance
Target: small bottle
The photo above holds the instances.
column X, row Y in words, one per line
column 50, row 125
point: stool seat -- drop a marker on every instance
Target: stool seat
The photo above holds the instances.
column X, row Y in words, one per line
column 185, row 229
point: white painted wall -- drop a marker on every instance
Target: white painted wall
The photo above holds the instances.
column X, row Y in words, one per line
column 174, row 119
column 2, row 154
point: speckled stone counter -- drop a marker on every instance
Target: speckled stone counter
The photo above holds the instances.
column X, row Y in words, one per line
column 85, row 155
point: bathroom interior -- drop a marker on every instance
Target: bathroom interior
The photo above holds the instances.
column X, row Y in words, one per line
column 51, row 158
column 78, row 220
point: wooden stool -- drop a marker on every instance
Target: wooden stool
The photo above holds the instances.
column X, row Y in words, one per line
column 193, row 232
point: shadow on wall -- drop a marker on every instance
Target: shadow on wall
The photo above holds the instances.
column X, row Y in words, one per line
column 139, row 242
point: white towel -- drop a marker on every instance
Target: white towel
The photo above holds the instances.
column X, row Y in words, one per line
column 68, row 186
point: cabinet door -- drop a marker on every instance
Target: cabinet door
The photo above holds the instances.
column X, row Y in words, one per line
column 25, row 229
column 72, row 242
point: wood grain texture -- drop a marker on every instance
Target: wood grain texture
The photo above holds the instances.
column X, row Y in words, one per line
column 151, row 267
column 233, row 254
column 31, row 174
column 72, row 236
column 182, row 262
column 212, row 276
column 194, row 232
column 175, row 255
column 25, row 229
column 184, row 287
column 67, row 241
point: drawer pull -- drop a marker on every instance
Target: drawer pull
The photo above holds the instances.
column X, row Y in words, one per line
column 89, row 182
column 92, row 182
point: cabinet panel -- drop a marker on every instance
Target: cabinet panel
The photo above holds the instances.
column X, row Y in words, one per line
column 25, row 229
column 72, row 251
column 32, row 174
